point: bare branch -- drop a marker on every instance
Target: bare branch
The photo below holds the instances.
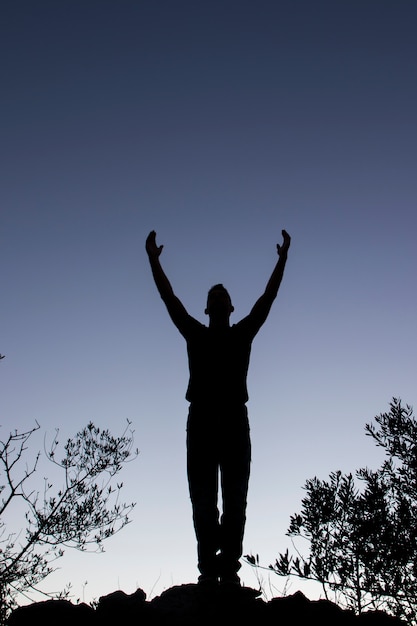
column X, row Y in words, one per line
column 84, row 511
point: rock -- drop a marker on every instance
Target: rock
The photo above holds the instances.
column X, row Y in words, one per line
column 119, row 607
column 297, row 609
column 51, row 613
column 186, row 605
column 192, row 605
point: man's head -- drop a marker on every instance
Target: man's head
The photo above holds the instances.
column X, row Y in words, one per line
column 219, row 303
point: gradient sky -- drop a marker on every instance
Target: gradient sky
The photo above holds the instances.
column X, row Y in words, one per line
column 216, row 123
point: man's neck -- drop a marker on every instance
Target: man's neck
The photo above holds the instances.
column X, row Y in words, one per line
column 220, row 323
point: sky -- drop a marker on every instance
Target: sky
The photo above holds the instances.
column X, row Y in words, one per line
column 216, row 124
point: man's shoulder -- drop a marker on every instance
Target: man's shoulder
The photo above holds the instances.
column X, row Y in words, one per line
column 245, row 325
column 193, row 326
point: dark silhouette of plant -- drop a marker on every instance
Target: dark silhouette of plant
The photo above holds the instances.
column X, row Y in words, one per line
column 85, row 510
column 363, row 535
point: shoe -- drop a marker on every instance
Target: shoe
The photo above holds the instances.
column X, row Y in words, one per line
column 207, row 581
column 230, row 581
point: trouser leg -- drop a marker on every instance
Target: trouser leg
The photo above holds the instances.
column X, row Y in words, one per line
column 218, row 438
column 234, row 472
column 202, row 469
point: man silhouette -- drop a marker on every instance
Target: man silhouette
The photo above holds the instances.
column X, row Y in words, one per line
column 217, row 426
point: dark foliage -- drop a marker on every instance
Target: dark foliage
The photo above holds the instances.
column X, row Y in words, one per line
column 83, row 511
column 362, row 529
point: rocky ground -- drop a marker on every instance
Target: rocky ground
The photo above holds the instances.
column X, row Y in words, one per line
column 190, row 605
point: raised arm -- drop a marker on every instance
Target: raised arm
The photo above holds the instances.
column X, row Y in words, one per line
column 175, row 307
column 262, row 306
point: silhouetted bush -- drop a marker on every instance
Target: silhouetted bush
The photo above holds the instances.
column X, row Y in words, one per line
column 85, row 510
column 362, row 531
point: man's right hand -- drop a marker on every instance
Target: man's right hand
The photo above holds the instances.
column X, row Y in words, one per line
column 282, row 250
column 151, row 248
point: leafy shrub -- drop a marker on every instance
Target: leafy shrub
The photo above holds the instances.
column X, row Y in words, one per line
column 85, row 510
column 362, row 528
